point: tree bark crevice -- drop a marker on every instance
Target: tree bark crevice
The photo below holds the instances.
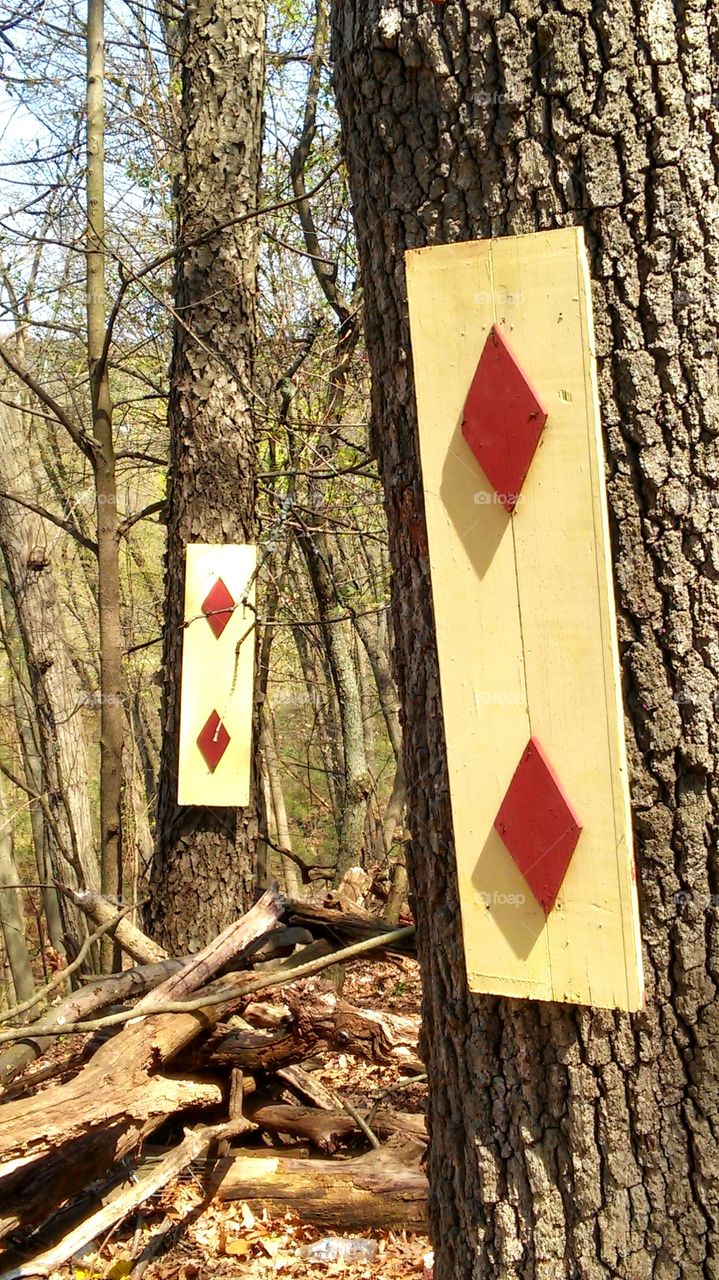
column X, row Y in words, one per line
column 565, row 1142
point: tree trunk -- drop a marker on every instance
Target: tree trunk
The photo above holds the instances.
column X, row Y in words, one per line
column 320, row 693
column 323, row 1128
column 565, row 1142
column 12, row 915
column 290, row 873
column 112, row 715
column 203, row 872
column 28, row 543
column 338, row 637
column 25, row 724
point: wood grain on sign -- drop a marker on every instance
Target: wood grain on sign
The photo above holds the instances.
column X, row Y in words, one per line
column 218, row 656
column 525, row 618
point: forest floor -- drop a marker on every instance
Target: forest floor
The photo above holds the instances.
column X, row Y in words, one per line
column 178, row 1236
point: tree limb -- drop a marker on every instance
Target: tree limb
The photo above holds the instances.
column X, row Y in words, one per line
column 58, row 521
column 227, row 994
column 78, row 437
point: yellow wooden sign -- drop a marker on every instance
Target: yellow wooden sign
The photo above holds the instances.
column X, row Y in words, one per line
column 525, row 620
column 217, row 676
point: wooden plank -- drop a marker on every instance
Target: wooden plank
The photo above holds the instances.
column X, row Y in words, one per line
column 217, row 676
column 524, row 608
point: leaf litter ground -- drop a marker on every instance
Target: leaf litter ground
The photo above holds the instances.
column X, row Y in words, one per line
column 178, row 1236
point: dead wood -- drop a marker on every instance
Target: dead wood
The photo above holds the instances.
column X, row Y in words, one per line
column 73, row 1132
column 250, row 1050
column 397, row 895
column 376, row 1190
column 132, row 940
column 31, row 1188
column 127, row 1199
column 325, row 1018
column 318, row 1020
column 306, row 1086
column 126, row 986
column 325, row 1127
column 82, row 1004
column 344, row 927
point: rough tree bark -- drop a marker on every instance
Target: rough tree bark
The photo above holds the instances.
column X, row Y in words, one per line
column 25, row 721
column 27, row 543
column 566, row 1142
column 12, row 915
column 203, row 868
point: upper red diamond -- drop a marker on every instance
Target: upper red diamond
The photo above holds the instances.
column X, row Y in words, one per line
column 538, row 825
column 213, row 740
column 503, row 419
column 218, row 605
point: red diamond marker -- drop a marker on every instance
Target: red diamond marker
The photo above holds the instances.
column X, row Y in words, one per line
column 503, row 419
column 538, row 825
column 218, row 605
column 213, row 740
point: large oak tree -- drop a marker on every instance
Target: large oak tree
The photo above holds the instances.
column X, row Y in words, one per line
column 567, row 1142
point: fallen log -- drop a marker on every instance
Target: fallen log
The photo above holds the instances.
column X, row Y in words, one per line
column 306, row 1086
column 128, row 985
column 316, row 1021
column 70, row 1133
column 323, row 1017
column 368, row 1033
column 117, row 988
column 132, row 940
column 345, row 927
column 375, row 1190
column 325, row 1127
column 126, row 1200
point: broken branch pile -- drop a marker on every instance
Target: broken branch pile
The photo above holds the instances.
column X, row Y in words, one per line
column 166, row 1040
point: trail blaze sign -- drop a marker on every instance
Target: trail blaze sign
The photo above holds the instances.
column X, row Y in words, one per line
column 512, row 466
column 217, row 676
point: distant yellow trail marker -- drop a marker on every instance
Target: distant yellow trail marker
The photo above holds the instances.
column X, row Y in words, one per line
column 217, row 676
column 513, row 476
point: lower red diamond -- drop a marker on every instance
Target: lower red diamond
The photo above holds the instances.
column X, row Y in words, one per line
column 213, row 741
column 538, row 825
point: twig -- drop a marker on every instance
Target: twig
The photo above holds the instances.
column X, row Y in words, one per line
column 308, row 870
column 396, row 1088
column 358, row 1119
column 67, row 525
column 182, row 247
column 62, row 974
